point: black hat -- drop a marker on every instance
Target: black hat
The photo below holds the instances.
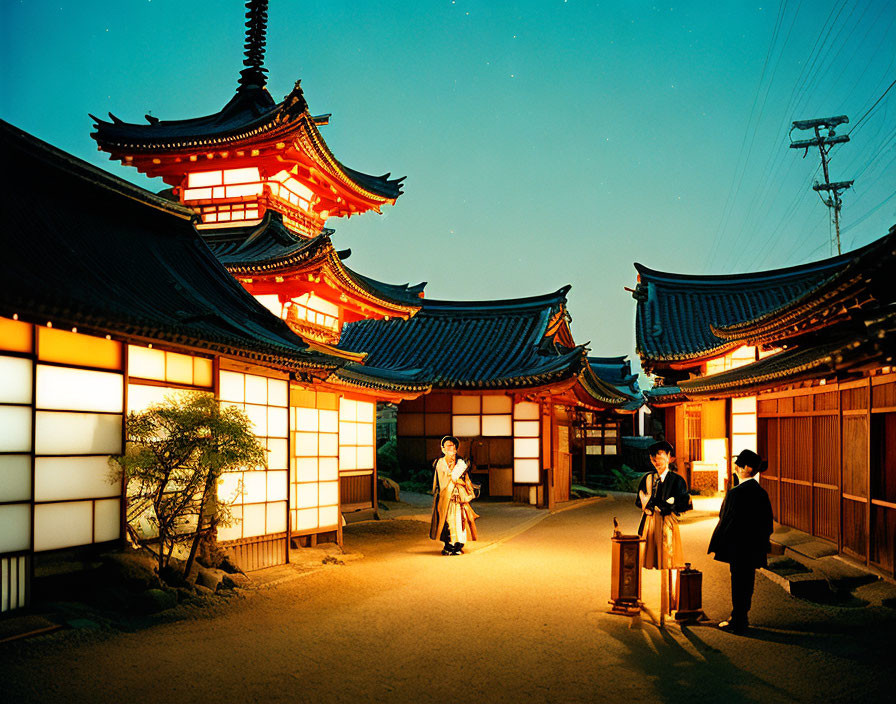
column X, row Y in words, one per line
column 661, row 446
column 449, row 438
column 748, row 458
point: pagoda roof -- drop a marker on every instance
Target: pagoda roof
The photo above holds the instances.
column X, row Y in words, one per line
column 271, row 249
column 251, row 118
column 481, row 345
column 116, row 259
column 678, row 315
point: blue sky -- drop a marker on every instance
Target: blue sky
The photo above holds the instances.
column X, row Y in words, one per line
column 544, row 142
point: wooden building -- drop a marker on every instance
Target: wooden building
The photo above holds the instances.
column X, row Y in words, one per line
column 798, row 364
column 132, row 295
column 508, row 380
column 110, row 301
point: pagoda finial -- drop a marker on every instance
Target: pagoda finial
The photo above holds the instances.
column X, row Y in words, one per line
column 256, row 29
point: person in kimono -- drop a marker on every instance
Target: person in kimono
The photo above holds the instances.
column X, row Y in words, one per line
column 741, row 537
column 662, row 497
column 453, row 520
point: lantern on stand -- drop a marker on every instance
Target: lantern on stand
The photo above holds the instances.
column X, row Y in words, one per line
column 690, row 595
column 625, row 587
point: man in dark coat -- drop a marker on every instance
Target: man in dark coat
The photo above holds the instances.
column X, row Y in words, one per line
column 742, row 536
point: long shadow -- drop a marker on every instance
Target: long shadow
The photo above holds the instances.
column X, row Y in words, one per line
column 674, row 673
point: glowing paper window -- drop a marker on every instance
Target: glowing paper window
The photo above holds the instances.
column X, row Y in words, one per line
column 63, row 525
column 526, row 443
column 141, row 397
column 357, row 437
column 313, row 309
column 15, row 428
column 15, row 336
column 63, row 478
column 15, row 478
column 15, row 527
column 15, row 379
column 743, row 426
column 260, row 505
column 172, row 367
column 62, row 433
column 80, row 350
column 314, row 466
column 79, row 389
column 78, row 419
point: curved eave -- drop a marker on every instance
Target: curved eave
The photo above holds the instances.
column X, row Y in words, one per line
column 435, row 305
column 774, row 325
column 288, row 122
column 395, row 383
column 380, row 189
column 138, row 331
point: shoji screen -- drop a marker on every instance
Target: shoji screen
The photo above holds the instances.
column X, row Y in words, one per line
column 526, row 447
column 16, row 418
column 79, row 399
column 743, row 426
column 155, row 376
column 258, row 494
column 357, row 436
column 314, row 469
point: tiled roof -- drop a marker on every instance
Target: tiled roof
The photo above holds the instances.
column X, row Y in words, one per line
column 857, row 290
column 617, row 371
column 89, row 250
column 479, row 345
column 676, row 313
column 272, row 249
column 251, row 117
column 664, row 395
column 475, row 343
column 265, row 248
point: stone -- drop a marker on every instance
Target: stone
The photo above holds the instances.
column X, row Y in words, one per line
column 155, row 600
column 210, row 578
column 388, row 489
column 134, row 569
column 237, row 580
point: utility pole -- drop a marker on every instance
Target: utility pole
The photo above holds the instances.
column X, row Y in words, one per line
column 824, row 144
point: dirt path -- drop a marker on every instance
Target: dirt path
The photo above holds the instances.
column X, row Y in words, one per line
column 524, row 621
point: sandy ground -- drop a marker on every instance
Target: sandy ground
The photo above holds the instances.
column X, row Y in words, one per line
column 524, row 619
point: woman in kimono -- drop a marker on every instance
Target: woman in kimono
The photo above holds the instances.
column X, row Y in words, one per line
column 453, row 521
column 662, row 496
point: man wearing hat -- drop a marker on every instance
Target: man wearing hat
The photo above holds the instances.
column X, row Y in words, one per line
column 453, row 521
column 662, row 496
column 742, row 536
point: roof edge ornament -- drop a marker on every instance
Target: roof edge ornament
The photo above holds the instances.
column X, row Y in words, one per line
column 253, row 76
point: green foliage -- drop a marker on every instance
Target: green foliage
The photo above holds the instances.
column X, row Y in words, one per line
column 387, row 459
column 174, row 457
column 626, row 479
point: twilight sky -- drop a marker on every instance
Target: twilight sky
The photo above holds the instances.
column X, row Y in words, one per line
column 545, row 142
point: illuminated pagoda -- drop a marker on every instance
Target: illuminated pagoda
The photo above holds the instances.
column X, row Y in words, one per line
column 263, row 183
column 797, row 364
column 253, row 156
column 508, row 381
column 232, row 168
column 139, row 308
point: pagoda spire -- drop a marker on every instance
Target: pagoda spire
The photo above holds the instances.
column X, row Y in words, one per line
column 253, row 76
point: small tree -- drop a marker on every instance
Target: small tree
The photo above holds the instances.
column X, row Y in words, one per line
column 175, row 454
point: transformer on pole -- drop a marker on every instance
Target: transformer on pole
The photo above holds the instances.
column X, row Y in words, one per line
column 824, row 144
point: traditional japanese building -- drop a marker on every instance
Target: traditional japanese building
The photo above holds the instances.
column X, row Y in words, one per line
column 508, row 380
column 123, row 305
column 232, row 167
column 263, row 182
column 797, row 363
